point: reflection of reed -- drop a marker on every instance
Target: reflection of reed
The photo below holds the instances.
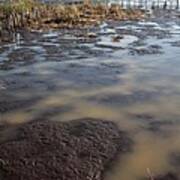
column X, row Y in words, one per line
column 2, row 85
column 149, row 173
column 177, row 1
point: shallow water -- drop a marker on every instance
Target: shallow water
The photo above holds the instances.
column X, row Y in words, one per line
column 64, row 77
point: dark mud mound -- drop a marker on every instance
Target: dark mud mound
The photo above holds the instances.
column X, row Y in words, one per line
column 76, row 150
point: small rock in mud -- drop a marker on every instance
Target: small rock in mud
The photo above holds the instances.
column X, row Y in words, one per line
column 92, row 35
column 75, row 150
column 117, row 38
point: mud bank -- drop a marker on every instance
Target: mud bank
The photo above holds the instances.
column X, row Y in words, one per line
column 79, row 149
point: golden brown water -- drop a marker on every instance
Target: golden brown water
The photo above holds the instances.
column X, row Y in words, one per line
column 147, row 92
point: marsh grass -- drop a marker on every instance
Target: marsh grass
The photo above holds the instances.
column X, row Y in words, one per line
column 32, row 14
column 17, row 6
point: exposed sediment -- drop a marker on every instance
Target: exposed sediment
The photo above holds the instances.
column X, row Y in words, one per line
column 75, row 150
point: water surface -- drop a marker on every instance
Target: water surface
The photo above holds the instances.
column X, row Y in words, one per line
column 64, row 75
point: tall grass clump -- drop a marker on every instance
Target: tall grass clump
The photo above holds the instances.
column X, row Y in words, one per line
column 16, row 14
column 18, row 6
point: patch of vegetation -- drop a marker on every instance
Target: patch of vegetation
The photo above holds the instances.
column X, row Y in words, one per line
column 18, row 6
column 32, row 14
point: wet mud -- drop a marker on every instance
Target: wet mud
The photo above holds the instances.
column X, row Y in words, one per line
column 80, row 149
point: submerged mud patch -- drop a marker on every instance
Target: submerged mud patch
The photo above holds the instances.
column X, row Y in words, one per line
column 76, row 150
column 22, row 55
column 93, row 74
column 155, row 125
column 70, row 52
column 18, row 57
column 29, row 80
column 143, row 117
column 16, row 104
column 150, row 50
column 161, row 128
column 124, row 99
column 54, row 111
column 175, row 43
column 143, row 32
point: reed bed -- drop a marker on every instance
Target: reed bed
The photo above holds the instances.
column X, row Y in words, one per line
column 16, row 14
